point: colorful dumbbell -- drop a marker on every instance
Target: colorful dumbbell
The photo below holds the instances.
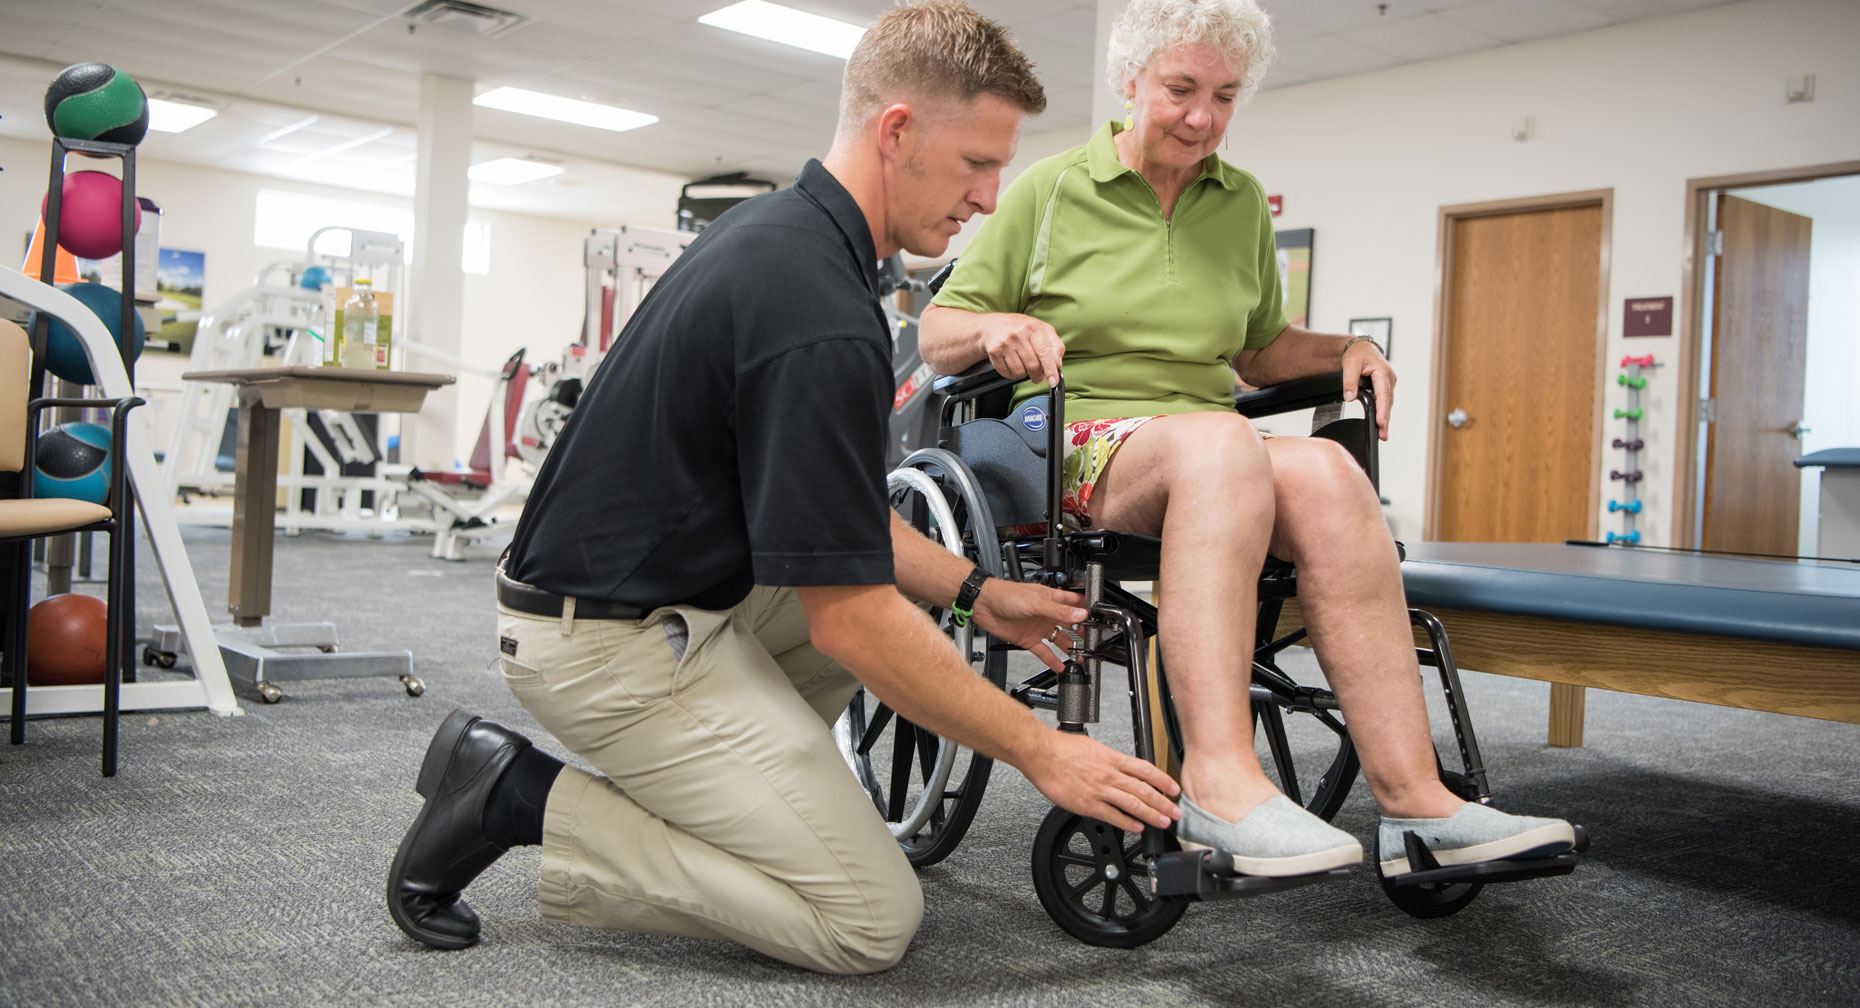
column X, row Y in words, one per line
column 1625, row 477
column 1632, row 414
column 1633, row 383
column 1631, row 507
column 1632, row 538
column 1634, row 445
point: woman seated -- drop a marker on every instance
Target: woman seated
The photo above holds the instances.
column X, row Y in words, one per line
column 1146, row 263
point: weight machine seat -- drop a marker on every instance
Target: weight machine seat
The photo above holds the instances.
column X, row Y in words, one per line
column 477, row 475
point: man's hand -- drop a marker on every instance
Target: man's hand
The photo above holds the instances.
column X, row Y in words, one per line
column 1027, row 616
column 1086, row 776
column 1021, row 346
column 1362, row 358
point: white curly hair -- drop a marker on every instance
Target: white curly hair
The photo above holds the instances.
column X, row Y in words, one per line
column 1237, row 28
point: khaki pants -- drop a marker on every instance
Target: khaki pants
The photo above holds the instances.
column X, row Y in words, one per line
column 726, row 811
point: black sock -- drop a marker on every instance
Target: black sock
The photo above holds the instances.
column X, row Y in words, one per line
column 514, row 814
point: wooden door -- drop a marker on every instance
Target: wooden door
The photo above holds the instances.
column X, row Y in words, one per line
column 1758, row 346
column 1522, row 299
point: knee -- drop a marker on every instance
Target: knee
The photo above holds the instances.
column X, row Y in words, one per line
column 877, row 942
column 1217, row 447
column 1323, row 471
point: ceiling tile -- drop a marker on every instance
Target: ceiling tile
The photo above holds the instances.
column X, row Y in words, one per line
column 1332, row 56
column 1620, row 11
column 1523, row 20
column 1329, row 17
column 1418, row 39
column 638, row 91
column 777, row 110
column 704, row 44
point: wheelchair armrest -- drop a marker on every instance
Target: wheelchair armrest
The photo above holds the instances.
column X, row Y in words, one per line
column 980, row 379
column 1297, row 394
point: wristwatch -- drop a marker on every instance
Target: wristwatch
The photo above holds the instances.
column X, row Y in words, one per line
column 971, row 589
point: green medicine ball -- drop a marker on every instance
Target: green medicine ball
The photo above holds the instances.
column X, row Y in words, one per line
column 96, row 101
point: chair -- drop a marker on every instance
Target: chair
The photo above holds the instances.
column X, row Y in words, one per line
column 24, row 518
column 992, row 472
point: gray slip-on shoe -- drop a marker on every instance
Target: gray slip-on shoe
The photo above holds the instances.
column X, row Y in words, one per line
column 1474, row 833
column 1276, row 839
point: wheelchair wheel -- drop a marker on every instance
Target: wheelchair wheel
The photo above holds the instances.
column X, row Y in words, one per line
column 1424, row 901
column 1094, row 881
column 1308, row 752
column 927, row 787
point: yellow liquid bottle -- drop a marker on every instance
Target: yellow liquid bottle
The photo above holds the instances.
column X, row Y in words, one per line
column 360, row 322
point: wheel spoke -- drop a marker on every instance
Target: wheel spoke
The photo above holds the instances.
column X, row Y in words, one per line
column 927, row 746
column 900, row 769
column 1085, row 885
column 1067, row 857
column 1137, row 898
column 875, row 730
column 1107, row 908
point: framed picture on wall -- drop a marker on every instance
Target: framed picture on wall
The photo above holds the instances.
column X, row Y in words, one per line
column 1295, row 273
column 1378, row 329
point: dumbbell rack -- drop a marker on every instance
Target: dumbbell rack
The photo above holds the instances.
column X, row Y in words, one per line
column 1633, row 379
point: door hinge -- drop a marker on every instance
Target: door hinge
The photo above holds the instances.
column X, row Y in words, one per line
column 1714, row 243
column 1708, row 411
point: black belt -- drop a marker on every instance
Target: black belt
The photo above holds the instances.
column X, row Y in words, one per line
column 537, row 602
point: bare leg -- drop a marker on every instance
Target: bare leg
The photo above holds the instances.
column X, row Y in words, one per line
column 1203, row 482
column 1349, row 585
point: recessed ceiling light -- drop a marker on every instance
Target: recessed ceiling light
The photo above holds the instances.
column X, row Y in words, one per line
column 787, row 26
column 512, row 171
column 177, row 117
column 568, row 110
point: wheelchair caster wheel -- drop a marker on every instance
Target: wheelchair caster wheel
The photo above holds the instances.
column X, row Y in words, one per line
column 152, row 655
column 269, row 693
column 413, row 684
column 1426, row 900
column 1094, row 881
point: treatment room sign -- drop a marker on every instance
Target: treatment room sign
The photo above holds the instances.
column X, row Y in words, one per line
column 1648, row 317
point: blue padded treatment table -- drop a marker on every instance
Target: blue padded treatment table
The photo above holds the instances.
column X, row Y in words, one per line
column 1768, row 635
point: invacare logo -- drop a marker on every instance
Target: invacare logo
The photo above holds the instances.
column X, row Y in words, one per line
column 1033, row 416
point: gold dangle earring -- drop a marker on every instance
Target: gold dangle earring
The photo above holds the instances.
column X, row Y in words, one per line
column 1129, row 123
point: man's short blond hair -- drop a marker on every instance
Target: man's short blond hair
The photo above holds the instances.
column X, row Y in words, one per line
column 935, row 50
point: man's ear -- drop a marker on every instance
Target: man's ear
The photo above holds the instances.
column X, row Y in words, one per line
column 897, row 132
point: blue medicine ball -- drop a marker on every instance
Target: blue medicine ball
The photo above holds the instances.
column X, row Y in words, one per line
column 314, row 278
column 73, row 460
column 64, row 355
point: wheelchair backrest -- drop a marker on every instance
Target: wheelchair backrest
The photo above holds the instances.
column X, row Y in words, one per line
column 1008, row 458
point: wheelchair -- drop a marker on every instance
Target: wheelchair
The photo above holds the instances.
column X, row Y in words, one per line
column 992, row 471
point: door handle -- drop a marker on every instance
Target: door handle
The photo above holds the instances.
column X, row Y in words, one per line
column 1458, row 419
column 1796, row 430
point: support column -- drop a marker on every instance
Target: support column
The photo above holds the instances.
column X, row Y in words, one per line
column 437, row 291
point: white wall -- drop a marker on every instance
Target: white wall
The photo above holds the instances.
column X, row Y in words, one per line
column 532, row 296
column 1830, row 409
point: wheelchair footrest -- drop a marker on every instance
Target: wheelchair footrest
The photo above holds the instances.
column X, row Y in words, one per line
column 1209, row 874
column 1516, row 870
column 1428, row 871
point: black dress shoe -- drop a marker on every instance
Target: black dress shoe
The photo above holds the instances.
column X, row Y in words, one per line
column 446, row 848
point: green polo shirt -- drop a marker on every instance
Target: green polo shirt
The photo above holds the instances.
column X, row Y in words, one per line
column 1152, row 311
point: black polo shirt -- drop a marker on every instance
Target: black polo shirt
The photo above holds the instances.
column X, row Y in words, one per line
column 735, row 433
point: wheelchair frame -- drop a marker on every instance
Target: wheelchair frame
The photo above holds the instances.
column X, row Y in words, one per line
column 1083, row 868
